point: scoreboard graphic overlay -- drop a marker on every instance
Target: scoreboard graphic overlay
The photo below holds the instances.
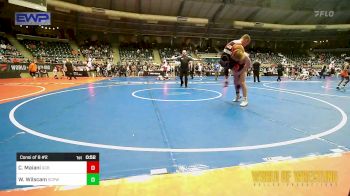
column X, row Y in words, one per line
column 57, row 169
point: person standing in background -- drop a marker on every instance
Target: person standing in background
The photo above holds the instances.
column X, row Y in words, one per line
column 98, row 70
column 70, row 69
column 55, row 72
column 200, row 70
column 323, row 71
column 332, row 68
column 109, row 68
column 63, row 70
column 217, row 70
column 256, row 71
column 191, row 64
column 164, row 67
column 33, row 68
column 288, row 71
column 128, row 70
column 279, row 71
column 122, row 71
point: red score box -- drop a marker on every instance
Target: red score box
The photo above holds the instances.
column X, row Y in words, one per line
column 93, row 167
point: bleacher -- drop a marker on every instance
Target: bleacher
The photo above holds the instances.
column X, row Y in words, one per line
column 8, row 53
column 132, row 54
column 209, row 57
column 50, row 51
column 329, row 57
column 96, row 49
column 267, row 58
column 168, row 52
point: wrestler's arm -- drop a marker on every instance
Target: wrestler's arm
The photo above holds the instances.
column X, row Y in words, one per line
column 247, row 64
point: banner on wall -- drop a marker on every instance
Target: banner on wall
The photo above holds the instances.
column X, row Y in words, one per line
column 17, row 67
column 23, row 67
column 32, row 18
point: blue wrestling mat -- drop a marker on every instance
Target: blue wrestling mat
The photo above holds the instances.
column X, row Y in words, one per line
column 140, row 124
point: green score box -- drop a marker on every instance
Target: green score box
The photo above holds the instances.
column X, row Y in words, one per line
column 93, row 179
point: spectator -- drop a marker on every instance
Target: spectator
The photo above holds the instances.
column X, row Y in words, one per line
column 43, row 73
column 55, row 72
column 70, row 69
column 109, row 68
column 33, row 68
column 279, row 71
column 217, row 70
column 322, row 72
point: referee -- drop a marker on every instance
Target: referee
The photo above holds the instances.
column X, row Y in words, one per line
column 184, row 66
column 280, row 70
column 256, row 70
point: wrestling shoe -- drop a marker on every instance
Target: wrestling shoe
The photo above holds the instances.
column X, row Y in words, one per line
column 244, row 103
column 236, row 99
